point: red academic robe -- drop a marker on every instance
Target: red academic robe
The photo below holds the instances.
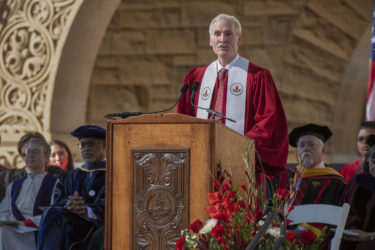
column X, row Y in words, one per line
column 349, row 171
column 265, row 121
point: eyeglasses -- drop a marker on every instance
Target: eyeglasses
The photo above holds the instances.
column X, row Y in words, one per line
column 361, row 139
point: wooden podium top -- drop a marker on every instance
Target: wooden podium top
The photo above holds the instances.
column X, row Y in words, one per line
column 162, row 118
column 171, row 118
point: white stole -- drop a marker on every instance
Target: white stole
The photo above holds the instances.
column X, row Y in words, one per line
column 236, row 103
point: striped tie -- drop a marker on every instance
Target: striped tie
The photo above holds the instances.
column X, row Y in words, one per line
column 220, row 92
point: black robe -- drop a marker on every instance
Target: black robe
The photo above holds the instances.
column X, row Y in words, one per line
column 360, row 194
column 316, row 186
column 62, row 229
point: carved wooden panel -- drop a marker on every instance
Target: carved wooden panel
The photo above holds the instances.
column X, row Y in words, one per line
column 160, row 197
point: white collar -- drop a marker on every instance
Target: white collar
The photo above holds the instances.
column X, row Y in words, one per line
column 230, row 65
column 320, row 165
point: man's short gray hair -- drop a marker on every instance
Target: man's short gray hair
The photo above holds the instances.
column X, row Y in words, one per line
column 237, row 24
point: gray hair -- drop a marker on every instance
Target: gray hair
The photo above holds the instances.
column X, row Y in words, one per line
column 237, row 25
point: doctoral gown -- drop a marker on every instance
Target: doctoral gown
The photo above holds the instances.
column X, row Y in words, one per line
column 62, row 229
column 360, row 194
column 265, row 121
column 316, row 186
column 22, row 202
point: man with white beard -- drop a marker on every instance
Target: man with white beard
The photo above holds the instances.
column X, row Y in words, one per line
column 318, row 184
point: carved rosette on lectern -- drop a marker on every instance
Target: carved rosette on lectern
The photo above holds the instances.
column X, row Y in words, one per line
column 159, row 197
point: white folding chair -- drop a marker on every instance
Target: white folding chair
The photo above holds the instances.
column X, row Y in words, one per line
column 321, row 213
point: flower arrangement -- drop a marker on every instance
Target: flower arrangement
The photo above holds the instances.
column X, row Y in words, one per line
column 237, row 214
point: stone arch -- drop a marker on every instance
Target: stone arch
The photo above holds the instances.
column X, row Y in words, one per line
column 69, row 99
column 38, row 42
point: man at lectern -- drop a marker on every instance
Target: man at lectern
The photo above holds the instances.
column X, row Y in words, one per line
column 79, row 198
column 242, row 91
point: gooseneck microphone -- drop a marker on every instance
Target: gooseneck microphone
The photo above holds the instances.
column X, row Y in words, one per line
column 125, row 115
column 212, row 113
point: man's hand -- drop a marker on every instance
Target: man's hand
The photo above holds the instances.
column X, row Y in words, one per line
column 77, row 205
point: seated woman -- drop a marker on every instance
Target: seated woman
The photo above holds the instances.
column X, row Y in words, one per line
column 20, row 210
column 60, row 156
column 360, row 194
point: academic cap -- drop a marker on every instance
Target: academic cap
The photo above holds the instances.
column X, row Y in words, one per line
column 322, row 132
column 89, row 131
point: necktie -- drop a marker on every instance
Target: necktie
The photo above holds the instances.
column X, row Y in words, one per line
column 220, row 92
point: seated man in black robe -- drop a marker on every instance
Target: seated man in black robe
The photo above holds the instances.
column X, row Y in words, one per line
column 360, row 194
column 78, row 208
column 318, row 184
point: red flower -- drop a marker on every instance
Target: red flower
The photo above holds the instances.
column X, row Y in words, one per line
column 196, row 226
column 217, row 232
column 216, row 185
column 213, row 198
column 282, row 193
column 232, row 207
column 180, row 243
column 258, row 214
column 241, row 204
column 224, row 188
column 291, row 237
column 243, row 187
column 213, row 210
column 307, row 237
column 226, row 173
column 222, row 241
column 218, row 216
column 227, row 214
column 222, row 178
column 231, row 195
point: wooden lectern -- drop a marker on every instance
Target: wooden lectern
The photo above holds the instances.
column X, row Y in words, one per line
column 159, row 171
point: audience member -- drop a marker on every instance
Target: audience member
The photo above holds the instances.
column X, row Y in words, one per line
column 21, row 205
column 318, row 184
column 240, row 90
column 61, row 156
column 79, row 199
column 360, row 194
column 350, row 170
column 9, row 175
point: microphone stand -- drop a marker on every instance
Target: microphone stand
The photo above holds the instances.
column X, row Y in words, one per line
column 125, row 115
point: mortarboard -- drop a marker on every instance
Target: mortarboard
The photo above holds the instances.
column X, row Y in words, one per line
column 322, row 132
column 89, row 131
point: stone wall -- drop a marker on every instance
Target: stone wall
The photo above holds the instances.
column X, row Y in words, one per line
column 151, row 44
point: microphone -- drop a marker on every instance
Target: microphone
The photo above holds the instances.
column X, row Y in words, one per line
column 195, row 88
column 213, row 113
column 125, row 115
